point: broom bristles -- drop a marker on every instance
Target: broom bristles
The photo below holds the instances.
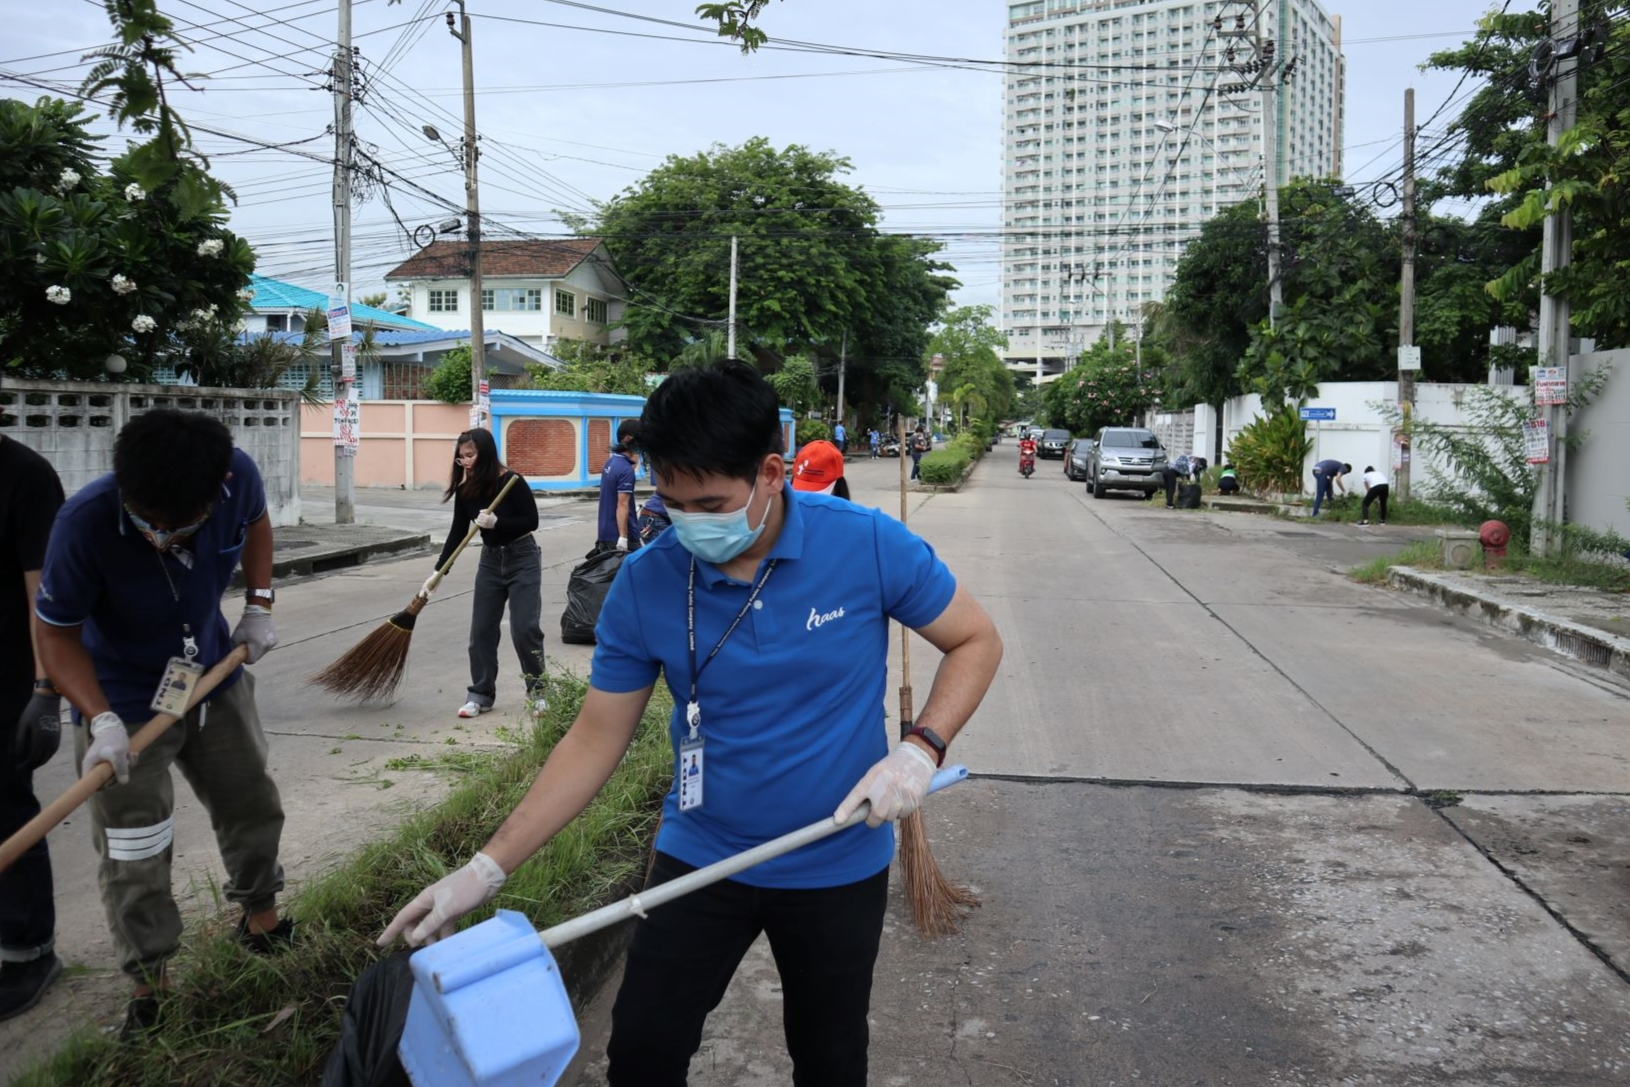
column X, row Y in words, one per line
column 938, row 906
column 373, row 668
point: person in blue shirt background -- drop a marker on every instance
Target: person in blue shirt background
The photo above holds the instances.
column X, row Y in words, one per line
column 789, row 704
column 840, row 437
column 1328, row 473
column 618, row 522
column 133, row 577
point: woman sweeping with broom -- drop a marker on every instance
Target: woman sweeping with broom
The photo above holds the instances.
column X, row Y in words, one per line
column 511, row 568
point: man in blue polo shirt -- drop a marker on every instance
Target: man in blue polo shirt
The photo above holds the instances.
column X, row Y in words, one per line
column 130, row 596
column 619, row 521
column 780, row 710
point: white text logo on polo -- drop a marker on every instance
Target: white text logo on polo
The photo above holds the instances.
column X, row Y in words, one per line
column 817, row 619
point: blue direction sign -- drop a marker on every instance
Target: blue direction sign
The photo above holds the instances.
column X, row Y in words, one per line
column 1321, row 415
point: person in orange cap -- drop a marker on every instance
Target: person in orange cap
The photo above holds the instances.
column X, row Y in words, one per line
column 819, row 468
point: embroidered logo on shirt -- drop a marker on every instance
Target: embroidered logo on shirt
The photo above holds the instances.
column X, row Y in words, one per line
column 817, row 619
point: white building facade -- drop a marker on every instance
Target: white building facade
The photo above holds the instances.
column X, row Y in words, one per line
column 1124, row 131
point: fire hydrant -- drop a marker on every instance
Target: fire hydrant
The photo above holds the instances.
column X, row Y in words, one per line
column 1494, row 536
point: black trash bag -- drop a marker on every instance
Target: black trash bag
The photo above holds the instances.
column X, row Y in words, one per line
column 1188, row 496
column 375, row 1013
column 586, row 593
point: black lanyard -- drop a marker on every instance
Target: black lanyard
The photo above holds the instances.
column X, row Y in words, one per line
column 693, row 712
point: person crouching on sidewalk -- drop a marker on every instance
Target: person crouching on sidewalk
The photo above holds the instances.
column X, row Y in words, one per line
column 1376, row 489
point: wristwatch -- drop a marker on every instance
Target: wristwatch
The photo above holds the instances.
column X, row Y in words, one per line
column 262, row 595
column 932, row 739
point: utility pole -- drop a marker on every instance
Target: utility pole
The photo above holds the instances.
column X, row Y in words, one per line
column 344, row 462
column 730, row 332
column 1270, row 167
column 472, row 213
column 1550, row 497
column 1406, row 299
column 843, row 362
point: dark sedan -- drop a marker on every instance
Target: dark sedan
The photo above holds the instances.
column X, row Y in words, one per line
column 1075, row 459
column 1052, row 443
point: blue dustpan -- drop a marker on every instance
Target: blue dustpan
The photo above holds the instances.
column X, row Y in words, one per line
column 489, row 1008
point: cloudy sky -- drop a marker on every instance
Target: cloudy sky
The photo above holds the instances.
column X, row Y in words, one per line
column 577, row 100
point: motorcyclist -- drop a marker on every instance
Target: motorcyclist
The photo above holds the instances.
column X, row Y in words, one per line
column 1027, row 451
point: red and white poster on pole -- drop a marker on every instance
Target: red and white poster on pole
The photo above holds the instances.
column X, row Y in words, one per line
column 1536, row 440
column 347, row 426
column 1550, row 385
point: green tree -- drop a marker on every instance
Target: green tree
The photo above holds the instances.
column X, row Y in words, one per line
column 450, row 381
column 376, row 300
column 974, row 374
column 589, row 368
column 93, row 263
column 1107, row 387
column 795, row 385
column 815, row 273
column 1218, row 294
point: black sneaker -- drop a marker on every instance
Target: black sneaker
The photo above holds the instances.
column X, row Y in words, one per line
column 22, row 984
column 141, row 1017
column 265, row 943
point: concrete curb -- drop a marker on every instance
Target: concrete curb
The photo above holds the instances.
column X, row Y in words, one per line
column 305, row 554
column 1563, row 636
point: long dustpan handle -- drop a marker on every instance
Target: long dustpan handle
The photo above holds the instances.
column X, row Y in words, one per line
column 442, row 570
column 82, row 790
column 636, row 905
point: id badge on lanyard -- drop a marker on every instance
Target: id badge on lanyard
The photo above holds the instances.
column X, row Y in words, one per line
column 692, row 756
column 181, row 676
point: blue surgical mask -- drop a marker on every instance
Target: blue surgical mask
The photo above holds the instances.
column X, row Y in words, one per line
column 718, row 537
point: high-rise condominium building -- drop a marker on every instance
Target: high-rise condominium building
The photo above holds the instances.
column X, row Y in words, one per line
column 1126, row 129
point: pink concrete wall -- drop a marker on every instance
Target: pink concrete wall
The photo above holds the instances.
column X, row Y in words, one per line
column 405, row 443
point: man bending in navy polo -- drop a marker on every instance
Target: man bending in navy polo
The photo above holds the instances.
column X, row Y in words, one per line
column 780, row 712
column 130, row 597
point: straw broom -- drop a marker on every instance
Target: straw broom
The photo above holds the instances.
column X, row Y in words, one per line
column 373, row 668
column 100, row 774
column 937, row 904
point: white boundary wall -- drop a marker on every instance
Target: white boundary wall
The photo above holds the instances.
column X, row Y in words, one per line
column 72, row 424
column 1599, row 470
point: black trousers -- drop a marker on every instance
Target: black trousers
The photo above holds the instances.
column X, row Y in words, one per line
column 28, row 918
column 1377, row 493
column 513, row 575
column 684, row 954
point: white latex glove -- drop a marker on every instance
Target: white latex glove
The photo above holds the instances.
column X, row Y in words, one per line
column 439, row 906
column 486, row 519
column 895, row 786
column 622, row 543
column 110, row 743
column 429, row 587
column 256, row 631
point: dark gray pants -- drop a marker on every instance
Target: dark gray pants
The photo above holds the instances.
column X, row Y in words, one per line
column 512, row 573
column 221, row 751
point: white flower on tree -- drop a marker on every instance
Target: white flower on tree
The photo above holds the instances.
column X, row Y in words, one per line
column 143, row 323
column 121, row 285
column 211, row 248
column 135, row 193
column 59, row 295
column 247, row 294
column 67, row 180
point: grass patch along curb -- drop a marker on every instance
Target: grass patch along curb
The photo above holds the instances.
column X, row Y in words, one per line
column 236, row 1018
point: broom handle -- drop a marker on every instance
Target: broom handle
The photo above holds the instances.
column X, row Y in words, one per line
column 80, row 791
column 906, row 713
column 441, row 571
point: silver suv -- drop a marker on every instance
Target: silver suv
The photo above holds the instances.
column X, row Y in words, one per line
column 1126, row 459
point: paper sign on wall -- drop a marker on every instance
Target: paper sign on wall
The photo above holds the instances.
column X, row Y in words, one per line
column 347, row 426
column 1536, row 440
column 1550, row 385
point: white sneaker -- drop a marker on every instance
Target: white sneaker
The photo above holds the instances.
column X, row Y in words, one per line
column 472, row 708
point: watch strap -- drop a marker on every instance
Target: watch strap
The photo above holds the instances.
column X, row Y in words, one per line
column 932, row 739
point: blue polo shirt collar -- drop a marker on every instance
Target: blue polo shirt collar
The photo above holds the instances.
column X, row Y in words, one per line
column 789, row 545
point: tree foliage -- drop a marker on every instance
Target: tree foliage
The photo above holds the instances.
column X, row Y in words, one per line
column 974, row 375
column 815, row 272
column 795, row 386
column 1107, row 387
column 589, row 368
column 1270, row 451
column 92, row 262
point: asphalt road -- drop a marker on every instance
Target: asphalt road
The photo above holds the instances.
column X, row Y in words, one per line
column 1199, row 818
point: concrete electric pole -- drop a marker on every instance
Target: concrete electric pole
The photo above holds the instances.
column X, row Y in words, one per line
column 1550, row 498
column 1406, row 301
column 344, row 462
column 472, row 214
column 730, row 331
column 1270, row 168
column 843, row 364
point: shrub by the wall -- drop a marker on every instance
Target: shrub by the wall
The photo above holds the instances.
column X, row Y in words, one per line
column 945, row 467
